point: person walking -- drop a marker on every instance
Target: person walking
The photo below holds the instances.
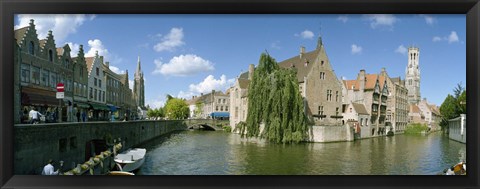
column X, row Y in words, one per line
column 49, row 169
column 34, row 116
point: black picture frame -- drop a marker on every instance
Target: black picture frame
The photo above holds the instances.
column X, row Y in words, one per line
column 8, row 8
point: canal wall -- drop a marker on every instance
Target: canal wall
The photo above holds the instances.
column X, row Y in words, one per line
column 35, row 144
column 331, row 133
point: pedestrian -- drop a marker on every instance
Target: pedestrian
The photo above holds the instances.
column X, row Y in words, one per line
column 34, row 116
column 84, row 116
column 78, row 116
column 49, row 169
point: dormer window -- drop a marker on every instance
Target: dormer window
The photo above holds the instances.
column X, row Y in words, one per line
column 31, row 48
column 50, row 55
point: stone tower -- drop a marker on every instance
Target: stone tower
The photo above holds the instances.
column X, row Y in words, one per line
column 412, row 75
column 139, row 87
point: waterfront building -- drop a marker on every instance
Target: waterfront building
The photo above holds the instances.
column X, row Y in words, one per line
column 63, row 55
column 97, row 88
column 213, row 105
column 357, row 115
column 412, row 75
column 139, row 92
column 457, row 128
column 318, row 84
column 127, row 103
column 80, row 85
column 114, row 96
column 40, row 68
column 372, row 91
column 431, row 114
column 239, row 98
column 415, row 115
column 397, row 104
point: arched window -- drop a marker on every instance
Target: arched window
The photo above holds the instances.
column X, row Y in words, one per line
column 50, row 55
column 31, row 47
column 67, row 63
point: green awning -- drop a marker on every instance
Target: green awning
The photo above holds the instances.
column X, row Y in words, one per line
column 82, row 105
column 97, row 106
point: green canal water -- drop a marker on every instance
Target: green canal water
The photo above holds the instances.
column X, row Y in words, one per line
column 221, row 153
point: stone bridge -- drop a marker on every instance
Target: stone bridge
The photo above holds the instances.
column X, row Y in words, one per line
column 206, row 124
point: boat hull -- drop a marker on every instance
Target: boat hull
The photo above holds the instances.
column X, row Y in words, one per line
column 131, row 160
column 130, row 167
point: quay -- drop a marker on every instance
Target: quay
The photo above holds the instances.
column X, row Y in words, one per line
column 68, row 142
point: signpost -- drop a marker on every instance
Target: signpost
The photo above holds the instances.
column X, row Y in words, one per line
column 60, row 96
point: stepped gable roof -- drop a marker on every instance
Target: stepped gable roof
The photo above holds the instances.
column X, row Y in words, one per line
column 42, row 43
column 360, row 108
column 299, row 63
column 20, row 34
column 89, row 61
column 60, row 51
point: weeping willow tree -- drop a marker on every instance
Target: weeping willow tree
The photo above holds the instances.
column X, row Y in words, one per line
column 274, row 99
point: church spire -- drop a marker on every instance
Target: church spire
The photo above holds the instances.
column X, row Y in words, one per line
column 138, row 66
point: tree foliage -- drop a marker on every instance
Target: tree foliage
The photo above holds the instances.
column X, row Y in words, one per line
column 198, row 108
column 453, row 106
column 274, row 100
column 176, row 108
column 156, row 113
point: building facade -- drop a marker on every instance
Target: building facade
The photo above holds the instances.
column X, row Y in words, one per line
column 431, row 114
column 239, row 98
column 114, row 92
column 371, row 90
column 412, row 75
column 318, row 84
column 358, row 115
column 97, row 89
column 80, row 86
column 397, row 103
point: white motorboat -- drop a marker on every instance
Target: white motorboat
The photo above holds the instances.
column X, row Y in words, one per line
column 131, row 159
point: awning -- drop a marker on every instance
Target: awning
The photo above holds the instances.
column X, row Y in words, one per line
column 82, row 105
column 97, row 106
column 113, row 108
column 220, row 114
column 39, row 100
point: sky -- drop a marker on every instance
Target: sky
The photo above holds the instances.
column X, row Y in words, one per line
column 186, row 55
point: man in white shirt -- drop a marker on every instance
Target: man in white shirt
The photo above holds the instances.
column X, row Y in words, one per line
column 48, row 169
column 34, row 116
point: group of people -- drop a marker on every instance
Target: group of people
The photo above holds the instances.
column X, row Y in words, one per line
column 49, row 169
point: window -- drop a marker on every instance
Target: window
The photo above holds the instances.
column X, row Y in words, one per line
column 45, row 78
column 219, row 101
column 95, row 93
column 98, row 72
column 95, row 82
column 31, row 48
column 91, row 92
column 336, row 96
column 103, row 96
column 81, row 72
column 216, row 108
column 67, row 63
column 236, row 112
column 35, row 77
column 224, row 101
column 25, row 73
column 53, row 80
column 329, row 95
column 350, row 110
column 236, row 93
column 50, row 55
column 226, row 108
column 99, row 83
column 322, row 75
column 221, row 108
column 336, row 111
column 322, row 62
column 320, row 111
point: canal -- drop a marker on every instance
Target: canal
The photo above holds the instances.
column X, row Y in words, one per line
column 221, row 153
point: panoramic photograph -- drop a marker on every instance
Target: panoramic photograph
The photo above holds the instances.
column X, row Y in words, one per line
column 240, row 94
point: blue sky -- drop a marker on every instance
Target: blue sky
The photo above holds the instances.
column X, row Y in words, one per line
column 185, row 55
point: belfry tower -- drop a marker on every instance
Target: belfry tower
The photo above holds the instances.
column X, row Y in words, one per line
column 139, row 87
column 412, row 75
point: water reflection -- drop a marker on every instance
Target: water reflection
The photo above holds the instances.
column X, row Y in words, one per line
column 220, row 153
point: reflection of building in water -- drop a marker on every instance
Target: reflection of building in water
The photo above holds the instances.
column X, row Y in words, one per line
column 457, row 129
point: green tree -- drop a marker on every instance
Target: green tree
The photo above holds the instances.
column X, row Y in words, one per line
column 275, row 100
column 198, row 109
column 462, row 102
column 458, row 90
column 176, row 109
column 448, row 109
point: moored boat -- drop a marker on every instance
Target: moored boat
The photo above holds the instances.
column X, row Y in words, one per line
column 131, row 159
column 121, row 173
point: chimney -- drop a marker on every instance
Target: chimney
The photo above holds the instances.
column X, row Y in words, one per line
column 383, row 73
column 107, row 64
column 31, row 22
column 302, row 51
column 251, row 68
column 362, row 80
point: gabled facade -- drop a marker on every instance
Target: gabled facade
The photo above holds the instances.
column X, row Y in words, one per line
column 357, row 114
column 372, row 91
column 318, row 84
column 239, row 98
column 397, row 103
column 431, row 114
column 80, row 86
column 127, row 102
column 114, row 94
column 97, row 88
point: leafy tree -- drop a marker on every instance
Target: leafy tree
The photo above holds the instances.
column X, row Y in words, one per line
column 198, row 109
column 458, row 90
column 462, row 102
column 448, row 109
column 275, row 100
column 176, row 108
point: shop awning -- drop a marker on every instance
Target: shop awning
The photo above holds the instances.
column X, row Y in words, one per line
column 39, row 100
column 220, row 114
column 113, row 108
column 97, row 106
column 82, row 105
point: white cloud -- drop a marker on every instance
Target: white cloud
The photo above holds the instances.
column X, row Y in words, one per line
column 170, row 41
column 356, row 49
column 343, row 18
column 307, row 34
column 74, row 47
column 116, row 70
column 93, row 46
column 62, row 25
column 157, row 103
column 430, row 20
column 183, row 65
column 452, row 38
column 436, row 38
column 206, row 86
column 381, row 20
column 344, row 78
column 401, row 49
